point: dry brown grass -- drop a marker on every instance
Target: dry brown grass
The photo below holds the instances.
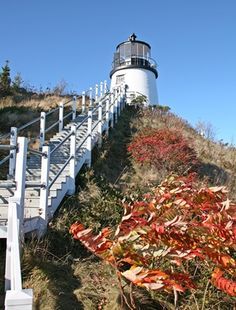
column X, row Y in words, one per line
column 35, row 102
column 18, row 114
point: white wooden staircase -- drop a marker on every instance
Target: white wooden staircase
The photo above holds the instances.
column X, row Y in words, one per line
column 40, row 179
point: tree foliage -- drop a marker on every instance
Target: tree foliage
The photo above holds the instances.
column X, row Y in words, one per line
column 17, row 82
column 5, row 80
column 170, row 226
column 163, row 108
column 139, row 100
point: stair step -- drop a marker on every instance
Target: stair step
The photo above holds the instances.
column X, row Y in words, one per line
column 3, row 230
column 4, row 211
column 31, row 212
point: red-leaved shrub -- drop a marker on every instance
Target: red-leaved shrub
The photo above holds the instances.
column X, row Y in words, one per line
column 163, row 148
column 173, row 224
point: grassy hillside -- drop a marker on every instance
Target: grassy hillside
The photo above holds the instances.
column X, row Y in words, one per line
column 64, row 275
column 19, row 109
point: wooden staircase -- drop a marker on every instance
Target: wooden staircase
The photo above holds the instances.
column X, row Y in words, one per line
column 32, row 211
column 43, row 178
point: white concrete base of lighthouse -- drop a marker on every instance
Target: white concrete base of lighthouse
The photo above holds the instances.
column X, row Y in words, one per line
column 139, row 81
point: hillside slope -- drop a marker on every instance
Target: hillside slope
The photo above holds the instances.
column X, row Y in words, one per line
column 62, row 272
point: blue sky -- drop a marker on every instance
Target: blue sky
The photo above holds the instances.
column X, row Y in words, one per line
column 193, row 42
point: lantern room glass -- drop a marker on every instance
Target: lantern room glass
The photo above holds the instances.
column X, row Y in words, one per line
column 129, row 50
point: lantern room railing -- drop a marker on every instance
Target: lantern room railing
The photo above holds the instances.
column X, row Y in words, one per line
column 134, row 62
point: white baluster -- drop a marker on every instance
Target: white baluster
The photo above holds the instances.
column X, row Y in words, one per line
column 118, row 101
column 74, row 104
column 112, row 108
column 101, row 89
column 44, row 191
column 116, row 104
column 90, row 97
column 122, row 98
column 105, row 87
column 71, row 190
column 12, row 161
column 107, row 115
column 89, row 139
column 100, row 125
column 42, row 128
column 96, row 92
column 83, row 102
column 61, row 116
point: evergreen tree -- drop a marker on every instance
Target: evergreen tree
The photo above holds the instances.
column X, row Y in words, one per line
column 5, row 80
column 17, row 82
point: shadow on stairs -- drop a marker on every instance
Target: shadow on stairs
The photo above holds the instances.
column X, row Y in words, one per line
column 2, row 271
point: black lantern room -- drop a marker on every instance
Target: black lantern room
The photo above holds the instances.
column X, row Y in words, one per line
column 133, row 54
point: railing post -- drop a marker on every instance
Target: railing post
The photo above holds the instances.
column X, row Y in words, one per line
column 83, row 102
column 116, row 104
column 44, row 191
column 74, row 108
column 19, row 299
column 118, row 101
column 96, row 92
column 13, row 280
column 16, row 297
column 100, row 124
column 21, row 156
column 101, row 89
column 71, row 190
column 122, row 98
column 12, row 161
column 16, row 204
column 90, row 97
column 112, row 108
column 61, row 115
column 105, row 87
column 17, row 201
column 107, row 116
column 89, row 139
column 42, row 128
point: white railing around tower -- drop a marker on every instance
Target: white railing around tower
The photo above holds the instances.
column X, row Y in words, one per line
column 95, row 118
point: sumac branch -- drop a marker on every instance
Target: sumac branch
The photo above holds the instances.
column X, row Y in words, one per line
column 174, row 223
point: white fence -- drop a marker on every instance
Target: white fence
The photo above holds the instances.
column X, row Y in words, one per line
column 96, row 117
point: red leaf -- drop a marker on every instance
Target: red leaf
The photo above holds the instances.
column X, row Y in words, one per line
column 226, row 285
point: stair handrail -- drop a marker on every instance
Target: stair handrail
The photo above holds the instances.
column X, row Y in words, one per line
column 46, row 184
column 93, row 110
column 15, row 233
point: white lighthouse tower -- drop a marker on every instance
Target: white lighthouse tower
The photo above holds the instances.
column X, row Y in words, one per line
column 133, row 66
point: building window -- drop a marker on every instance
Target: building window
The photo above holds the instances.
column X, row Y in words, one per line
column 120, row 79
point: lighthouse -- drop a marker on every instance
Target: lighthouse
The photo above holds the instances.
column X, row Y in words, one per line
column 133, row 66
